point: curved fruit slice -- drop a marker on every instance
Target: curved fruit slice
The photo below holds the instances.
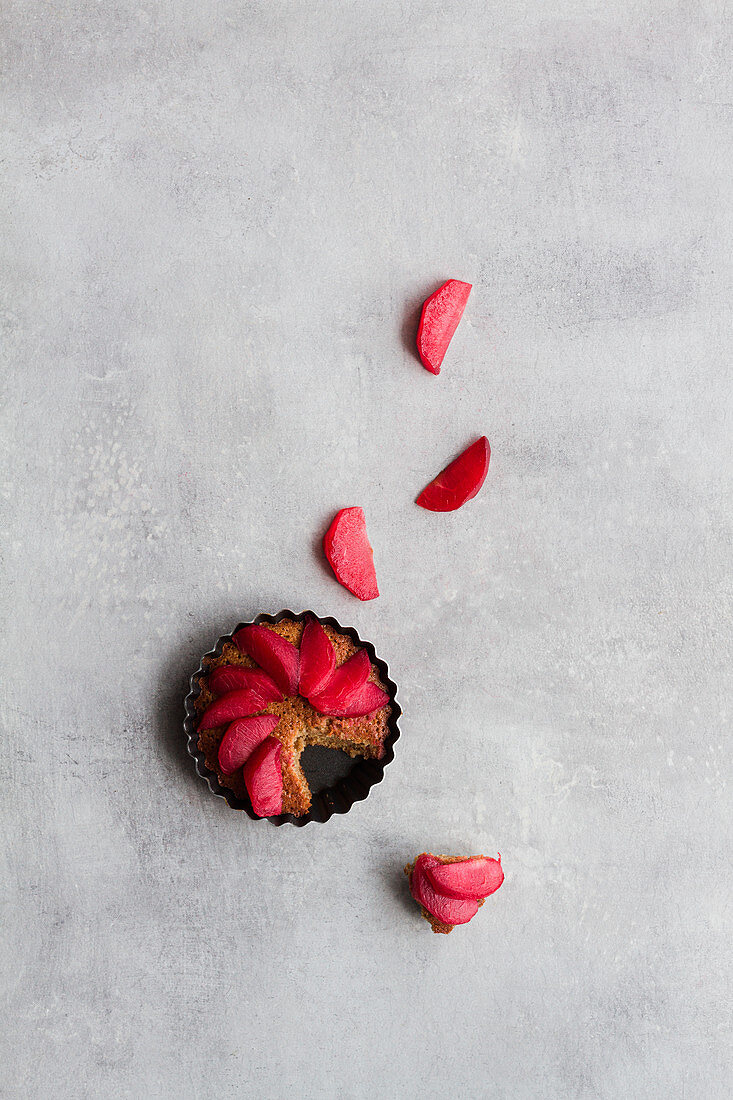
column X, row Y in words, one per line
column 350, row 555
column 447, row 910
column 460, row 481
column 276, row 655
column 241, row 740
column 364, row 700
column 235, row 704
column 264, row 780
column 469, row 879
column 317, row 658
column 347, row 678
column 231, row 677
column 439, row 319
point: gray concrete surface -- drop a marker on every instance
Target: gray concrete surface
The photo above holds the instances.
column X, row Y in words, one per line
column 218, row 220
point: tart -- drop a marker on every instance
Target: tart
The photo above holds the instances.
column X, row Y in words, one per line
column 450, row 890
column 276, row 686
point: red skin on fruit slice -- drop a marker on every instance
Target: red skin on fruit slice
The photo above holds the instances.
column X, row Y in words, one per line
column 460, row 481
column 279, row 657
column 241, row 740
column 445, row 909
column 231, row 677
column 350, row 555
column 364, row 700
column 263, row 777
column 469, row 879
column 235, row 704
column 317, row 659
column 439, row 319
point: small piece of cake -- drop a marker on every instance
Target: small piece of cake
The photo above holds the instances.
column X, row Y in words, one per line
column 451, row 889
column 276, row 689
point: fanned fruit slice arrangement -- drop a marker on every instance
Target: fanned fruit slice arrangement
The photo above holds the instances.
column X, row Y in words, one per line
column 451, row 889
column 276, row 688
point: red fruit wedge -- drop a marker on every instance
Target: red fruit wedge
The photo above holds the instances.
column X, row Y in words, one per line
column 364, row 700
column 263, row 776
column 447, row 910
column 317, row 659
column 276, row 655
column 241, row 740
column 348, row 677
column 231, row 677
column 350, row 555
column 460, row 481
column 235, row 704
column 441, row 313
column 469, row 879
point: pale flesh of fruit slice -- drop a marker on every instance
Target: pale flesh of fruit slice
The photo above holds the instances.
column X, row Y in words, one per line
column 231, row 677
column 460, row 481
column 235, row 704
column 279, row 657
column 242, row 738
column 445, row 909
column 263, row 777
column 350, row 555
column 441, row 313
column 468, row 879
column 317, row 659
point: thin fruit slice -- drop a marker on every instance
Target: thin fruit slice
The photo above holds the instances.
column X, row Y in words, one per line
column 447, row 910
column 276, row 655
column 439, row 319
column 264, row 780
column 469, row 879
column 347, row 678
column 242, row 738
column 350, row 555
column 460, row 481
column 317, row 658
column 364, row 700
column 231, row 677
column 235, row 704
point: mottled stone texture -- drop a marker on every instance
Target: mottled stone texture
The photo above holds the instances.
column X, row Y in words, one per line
column 218, row 219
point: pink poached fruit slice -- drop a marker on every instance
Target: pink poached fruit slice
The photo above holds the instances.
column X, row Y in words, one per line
column 460, row 481
column 242, row 738
column 349, row 676
column 279, row 657
column 445, row 909
column 232, row 677
column 350, row 555
column 469, row 879
column 263, row 777
column 235, row 704
column 317, row 659
column 365, row 700
column 441, row 313
column 348, row 681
